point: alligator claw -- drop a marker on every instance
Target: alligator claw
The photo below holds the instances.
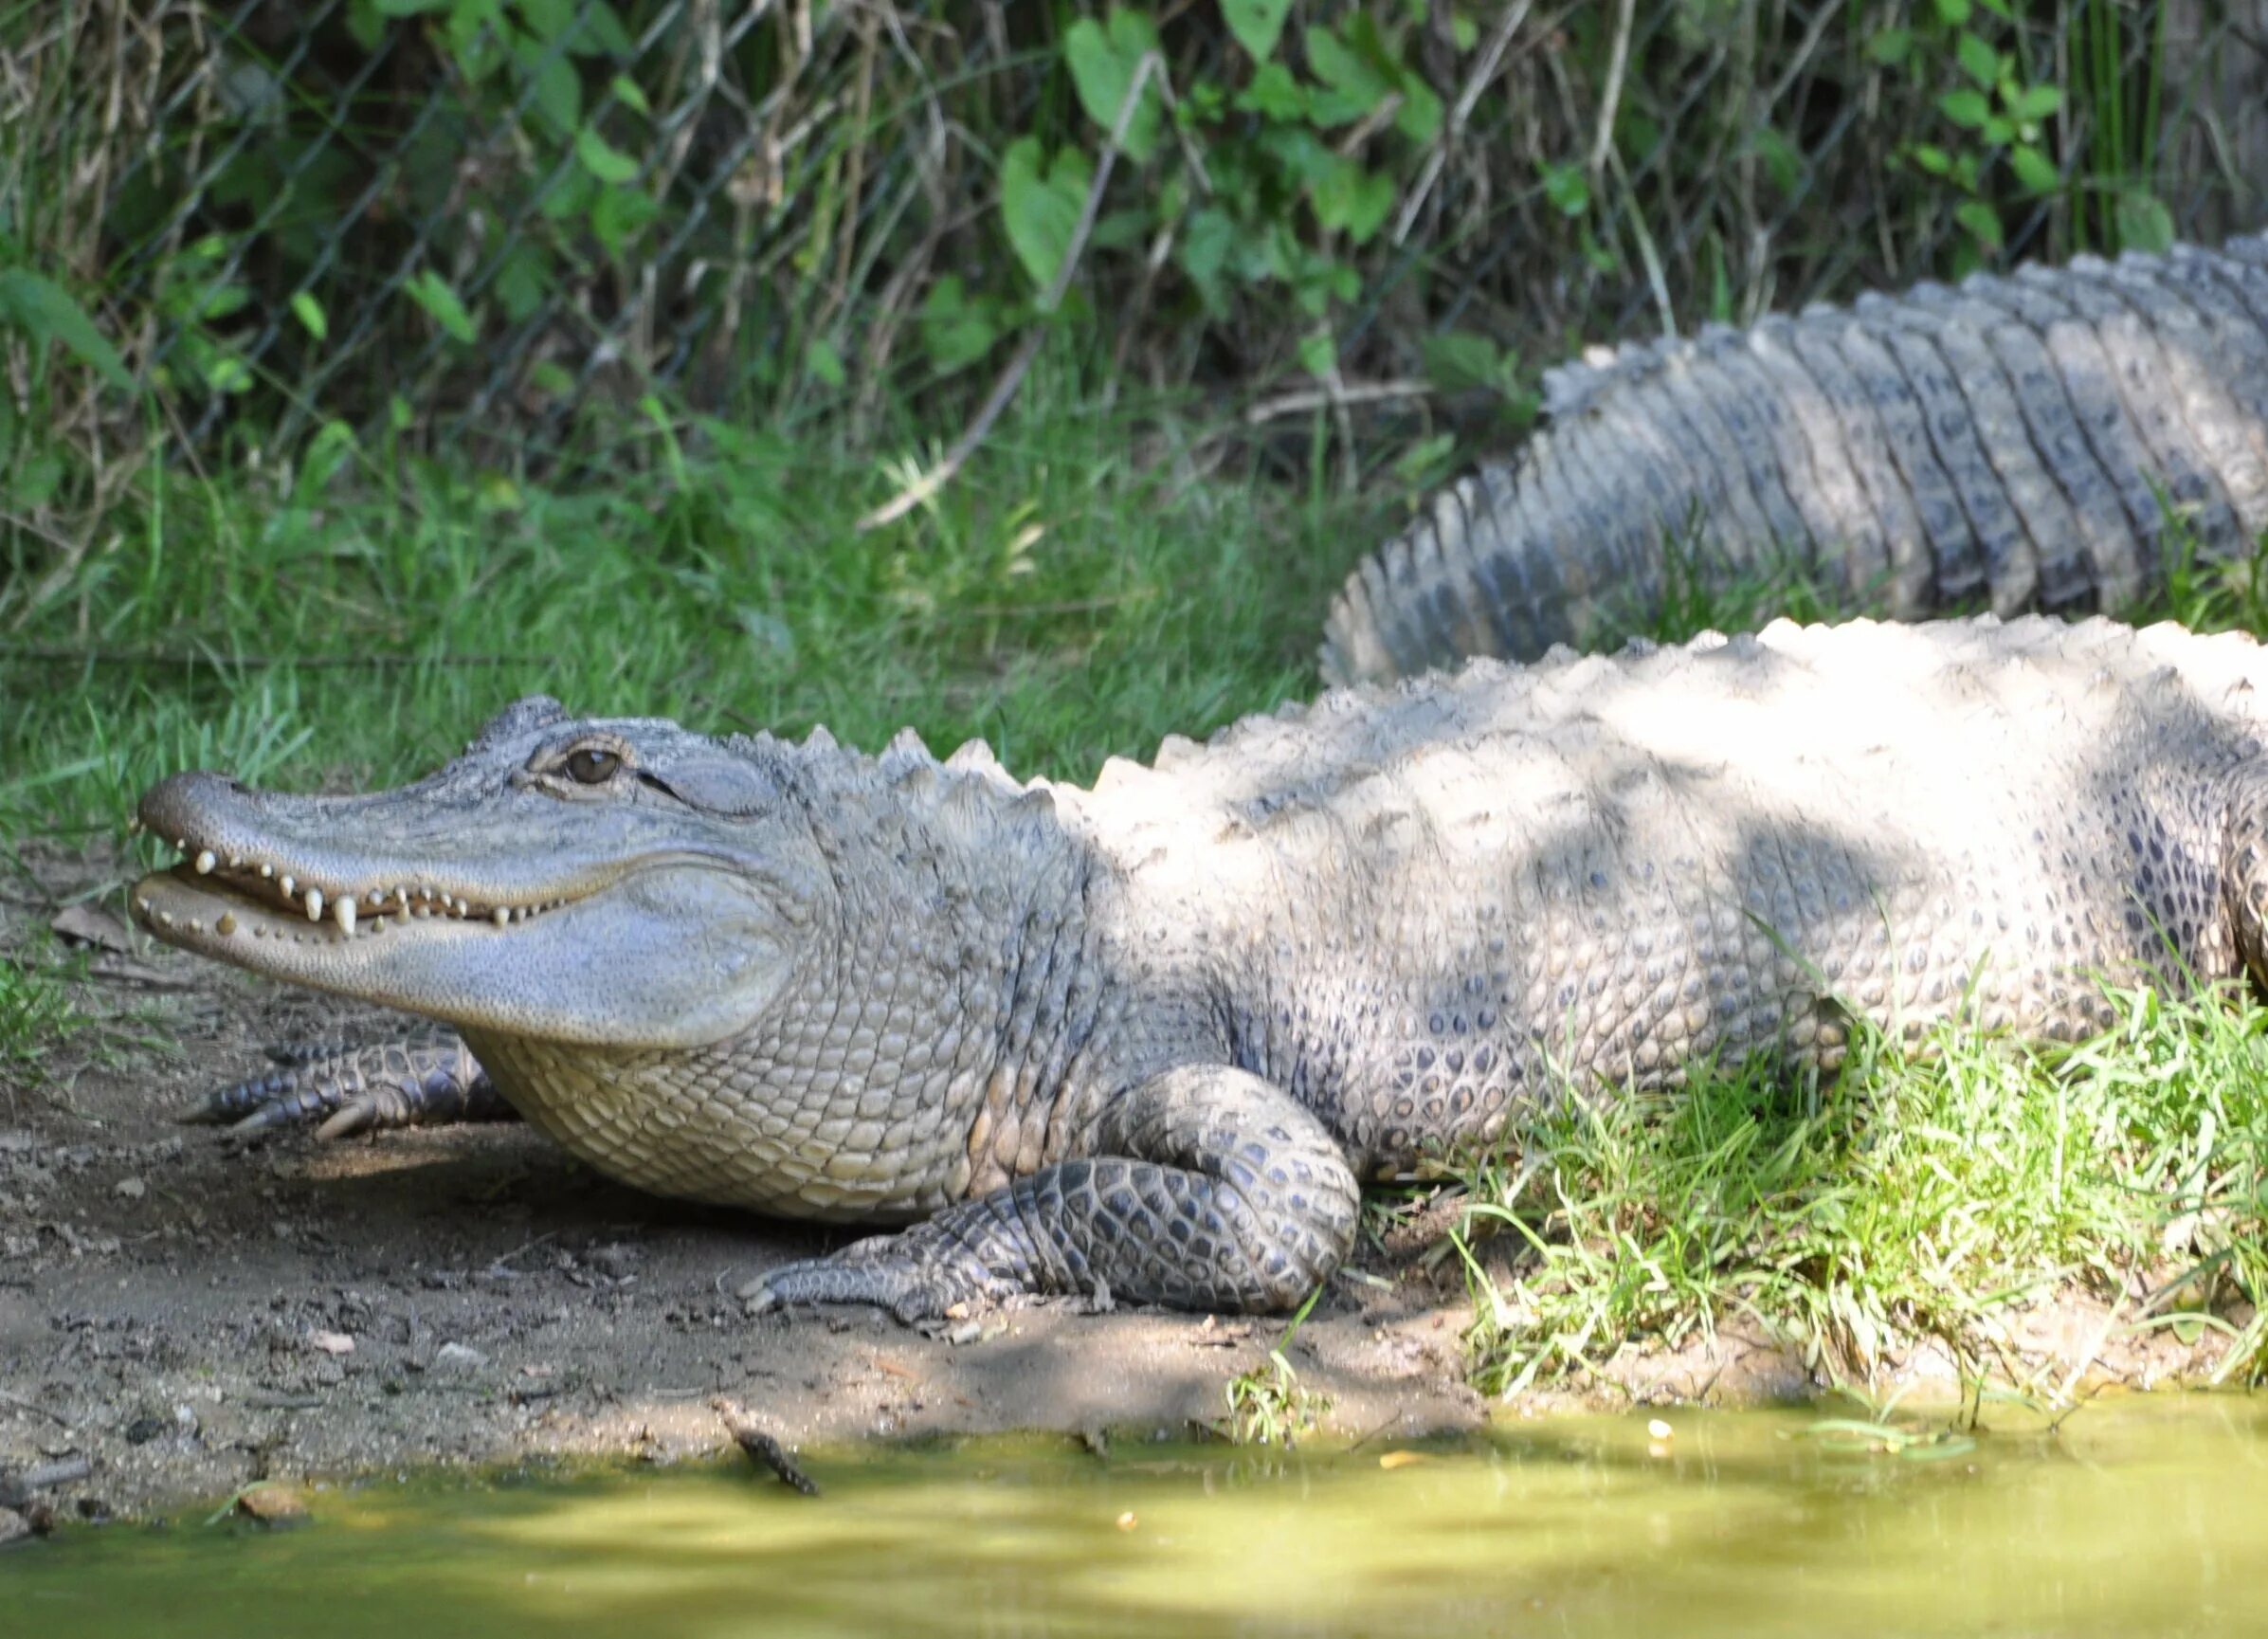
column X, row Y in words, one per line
column 915, row 1277
column 424, row 1081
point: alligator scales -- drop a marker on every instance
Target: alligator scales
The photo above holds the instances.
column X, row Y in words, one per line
column 2009, row 443
column 1149, row 1037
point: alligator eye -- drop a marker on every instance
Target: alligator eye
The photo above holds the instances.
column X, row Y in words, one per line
column 591, row 766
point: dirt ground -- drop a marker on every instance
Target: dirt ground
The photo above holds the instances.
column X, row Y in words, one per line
column 183, row 1312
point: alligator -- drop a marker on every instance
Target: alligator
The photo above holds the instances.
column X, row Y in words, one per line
column 1148, row 1038
column 2011, row 442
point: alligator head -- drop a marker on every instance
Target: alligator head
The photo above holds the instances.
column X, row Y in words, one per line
column 605, row 880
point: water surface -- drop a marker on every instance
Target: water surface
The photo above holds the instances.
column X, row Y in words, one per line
column 2145, row 1515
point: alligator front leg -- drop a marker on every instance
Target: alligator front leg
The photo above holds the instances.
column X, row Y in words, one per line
column 1210, row 1189
column 424, row 1080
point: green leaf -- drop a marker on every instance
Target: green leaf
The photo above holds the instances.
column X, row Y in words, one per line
column 1351, row 199
column 1564, row 186
column 523, row 280
column 1351, row 85
column 603, row 32
column 46, row 311
column 1319, row 353
column 825, row 361
column 602, row 159
column 627, row 92
column 1930, row 157
column 1981, row 220
column 442, row 305
column 1891, row 47
column 1953, row 13
column 1039, row 203
column 1782, row 160
column 619, row 215
column 2033, row 170
column 1420, row 116
column 309, row 312
column 1274, row 94
column 1964, row 108
column 1103, row 60
column 1204, row 253
column 558, row 89
column 957, row 331
column 1462, row 358
column 1258, row 24
column 409, row 8
column 2143, row 223
column 1978, row 60
column 547, row 19
column 2032, row 103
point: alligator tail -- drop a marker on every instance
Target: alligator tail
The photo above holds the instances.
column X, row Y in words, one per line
column 2010, row 443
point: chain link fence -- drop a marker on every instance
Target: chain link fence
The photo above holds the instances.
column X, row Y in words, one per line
column 485, row 221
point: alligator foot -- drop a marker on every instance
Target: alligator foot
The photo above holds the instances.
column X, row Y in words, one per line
column 425, row 1080
column 1213, row 1190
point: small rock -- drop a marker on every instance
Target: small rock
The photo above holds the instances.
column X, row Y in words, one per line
column 271, row 1503
column 457, row 1358
column 614, row 1259
column 144, row 1429
column 131, row 1189
column 14, row 1526
column 331, row 1342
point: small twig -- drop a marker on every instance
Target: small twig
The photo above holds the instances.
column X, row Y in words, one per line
column 1656, row 281
column 18, row 1488
column 1012, row 378
column 35, row 1409
column 762, row 1447
column 1484, row 70
column 1617, row 64
column 1335, row 396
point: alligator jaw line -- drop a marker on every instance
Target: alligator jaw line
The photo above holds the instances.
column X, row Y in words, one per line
column 267, row 892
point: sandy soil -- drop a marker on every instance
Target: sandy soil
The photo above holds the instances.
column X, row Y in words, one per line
column 188, row 1312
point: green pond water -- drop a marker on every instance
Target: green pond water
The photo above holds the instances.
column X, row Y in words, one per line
column 2143, row 1516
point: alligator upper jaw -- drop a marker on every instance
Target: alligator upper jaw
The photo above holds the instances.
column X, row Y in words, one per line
column 206, row 891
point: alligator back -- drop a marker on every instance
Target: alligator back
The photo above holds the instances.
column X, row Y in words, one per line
column 2011, row 442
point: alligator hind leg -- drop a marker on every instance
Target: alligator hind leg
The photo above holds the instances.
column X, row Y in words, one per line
column 423, row 1080
column 1207, row 1188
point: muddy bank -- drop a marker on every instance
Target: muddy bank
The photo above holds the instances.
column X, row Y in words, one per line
column 188, row 1312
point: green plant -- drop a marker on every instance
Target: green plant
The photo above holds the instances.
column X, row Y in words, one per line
column 1268, row 1405
column 1994, row 151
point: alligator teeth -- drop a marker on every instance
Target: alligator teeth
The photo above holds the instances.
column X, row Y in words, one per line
column 343, row 913
column 142, row 904
column 291, row 888
column 315, row 905
column 165, row 919
column 267, row 871
column 226, row 925
column 502, row 916
column 205, row 862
